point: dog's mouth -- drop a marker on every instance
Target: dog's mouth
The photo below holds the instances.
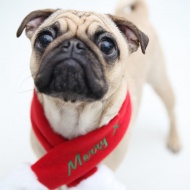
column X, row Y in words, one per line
column 71, row 75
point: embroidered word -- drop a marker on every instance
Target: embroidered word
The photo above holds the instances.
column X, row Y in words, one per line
column 79, row 159
column 115, row 129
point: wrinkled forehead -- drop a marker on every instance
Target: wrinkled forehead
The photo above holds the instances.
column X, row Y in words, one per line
column 80, row 22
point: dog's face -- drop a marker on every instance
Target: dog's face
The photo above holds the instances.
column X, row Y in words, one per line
column 79, row 56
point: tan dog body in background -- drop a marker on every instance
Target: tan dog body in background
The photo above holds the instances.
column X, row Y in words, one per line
column 128, row 74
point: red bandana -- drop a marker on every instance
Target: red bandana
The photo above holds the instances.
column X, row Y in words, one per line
column 67, row 162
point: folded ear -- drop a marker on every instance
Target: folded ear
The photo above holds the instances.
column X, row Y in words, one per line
column 133, row 35
column 32, row 21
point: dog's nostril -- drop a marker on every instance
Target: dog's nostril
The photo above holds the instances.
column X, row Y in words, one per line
column 73, row 45
column 80, row 45
column 66, row 44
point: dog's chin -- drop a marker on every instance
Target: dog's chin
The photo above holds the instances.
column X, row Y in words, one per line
column 70, row 80
column 71, row 97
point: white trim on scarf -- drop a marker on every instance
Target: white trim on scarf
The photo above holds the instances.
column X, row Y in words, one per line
column 103, row 179
column 22, row 178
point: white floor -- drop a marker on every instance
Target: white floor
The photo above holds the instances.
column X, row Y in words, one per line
column 148, row 165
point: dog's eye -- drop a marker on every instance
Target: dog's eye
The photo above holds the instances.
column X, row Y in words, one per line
column 44, row 40
column 107, row 46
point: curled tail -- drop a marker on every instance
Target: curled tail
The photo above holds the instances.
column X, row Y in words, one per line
column 126, row 7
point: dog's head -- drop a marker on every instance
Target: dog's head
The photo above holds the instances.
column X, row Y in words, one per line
column 79, row 56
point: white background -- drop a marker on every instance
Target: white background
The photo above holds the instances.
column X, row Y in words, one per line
column 148, row 165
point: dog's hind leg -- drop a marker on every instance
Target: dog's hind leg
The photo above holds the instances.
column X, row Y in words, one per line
column 158, row 79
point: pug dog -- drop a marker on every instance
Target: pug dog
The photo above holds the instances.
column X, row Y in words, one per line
column 84, row 64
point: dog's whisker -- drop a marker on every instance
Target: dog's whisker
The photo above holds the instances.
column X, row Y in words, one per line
column 114, row 105
column 106, row 100
column 130, row 77
column 61, row 108
column 22, row 83
column 24, row 70
column 25, row 91
column 77, row 110
column 26, row 79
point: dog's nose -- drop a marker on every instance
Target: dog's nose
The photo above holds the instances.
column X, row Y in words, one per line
column 74, row 45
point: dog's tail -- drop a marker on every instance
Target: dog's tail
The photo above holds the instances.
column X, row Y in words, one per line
column 129, row 7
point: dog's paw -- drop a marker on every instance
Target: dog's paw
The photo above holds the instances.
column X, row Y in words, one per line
column 21, row 178
column 174, row 144
column 103, row 179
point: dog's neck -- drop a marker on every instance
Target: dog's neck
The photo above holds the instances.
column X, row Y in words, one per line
column 74, row 119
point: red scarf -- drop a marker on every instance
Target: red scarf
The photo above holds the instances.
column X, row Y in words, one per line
column 67, row 162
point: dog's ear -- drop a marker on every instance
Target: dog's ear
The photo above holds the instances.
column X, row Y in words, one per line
column 133, row 35
column 32, row 21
